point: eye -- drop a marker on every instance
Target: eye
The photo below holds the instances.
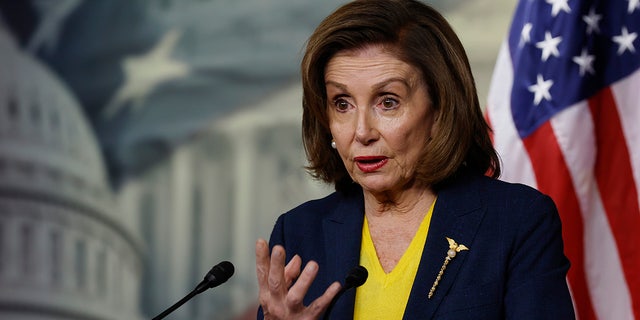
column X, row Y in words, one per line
column 341, row 105
column 389, row 103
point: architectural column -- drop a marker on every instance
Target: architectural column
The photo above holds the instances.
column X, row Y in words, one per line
column 180, row 218
column 68, row 239
column 3, row 244
column 92, row 247
column 11, row 246
column 245, row 160
column 41, row 250
column 109, row 262
column 214, row 180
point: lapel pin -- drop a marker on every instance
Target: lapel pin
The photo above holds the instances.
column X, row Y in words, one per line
column 454, row 248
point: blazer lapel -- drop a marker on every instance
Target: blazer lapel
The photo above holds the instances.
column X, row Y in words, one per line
column 457, row 215
column 343, row 233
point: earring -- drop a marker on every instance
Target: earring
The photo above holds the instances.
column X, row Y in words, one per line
column 333, row 144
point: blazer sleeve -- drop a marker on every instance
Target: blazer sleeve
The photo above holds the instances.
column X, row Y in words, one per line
column 536, row 286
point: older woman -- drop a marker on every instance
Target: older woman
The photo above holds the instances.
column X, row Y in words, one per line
column 392, row 119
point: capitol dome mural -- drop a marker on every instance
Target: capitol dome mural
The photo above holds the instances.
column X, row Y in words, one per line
column 66, row 251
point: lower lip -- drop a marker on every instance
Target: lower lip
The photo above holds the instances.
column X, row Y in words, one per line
column 368, row 167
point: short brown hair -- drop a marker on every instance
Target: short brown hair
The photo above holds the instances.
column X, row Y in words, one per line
column 421, row 37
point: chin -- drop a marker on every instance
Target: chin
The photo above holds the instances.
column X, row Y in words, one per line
column 378, row 185
column 375, row 186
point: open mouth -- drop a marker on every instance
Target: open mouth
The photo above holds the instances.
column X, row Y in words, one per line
column 370, row 163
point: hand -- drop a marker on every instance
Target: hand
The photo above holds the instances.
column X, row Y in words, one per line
column 281, row 300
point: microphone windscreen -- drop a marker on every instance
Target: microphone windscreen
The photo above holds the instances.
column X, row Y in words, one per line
column 220, row 273
column 356, row 277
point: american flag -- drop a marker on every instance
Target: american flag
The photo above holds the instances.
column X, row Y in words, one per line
column 564, row 106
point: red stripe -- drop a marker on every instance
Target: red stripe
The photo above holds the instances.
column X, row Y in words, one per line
column 488, row 120
column 617, row 188
column 554, row 179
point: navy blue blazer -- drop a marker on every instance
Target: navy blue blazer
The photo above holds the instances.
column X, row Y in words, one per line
column 515, row 267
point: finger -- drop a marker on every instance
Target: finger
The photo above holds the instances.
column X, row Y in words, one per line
column 318, row 306
column 262, row 268
column 277, row 285
column 299, row 289
column 292, row 270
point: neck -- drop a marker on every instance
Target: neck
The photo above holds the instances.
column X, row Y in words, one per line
column 410, row 202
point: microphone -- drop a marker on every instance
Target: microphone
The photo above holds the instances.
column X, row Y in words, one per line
column 218, row 275
column 355, row 278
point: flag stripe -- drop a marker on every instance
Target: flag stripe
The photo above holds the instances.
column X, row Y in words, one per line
column 575, row 134
column 615, row 180
column 627, row 97
column 554, row 179
column 605, row 278
column 507, row 141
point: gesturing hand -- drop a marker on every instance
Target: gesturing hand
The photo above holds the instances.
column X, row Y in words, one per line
column 278, row 298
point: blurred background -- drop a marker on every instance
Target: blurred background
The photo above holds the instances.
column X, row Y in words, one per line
column 144, row 141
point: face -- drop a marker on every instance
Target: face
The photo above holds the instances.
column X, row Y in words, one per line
column 380, row 117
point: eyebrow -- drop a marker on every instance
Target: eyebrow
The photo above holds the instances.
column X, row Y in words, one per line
column 377, row 86
column 404, row 81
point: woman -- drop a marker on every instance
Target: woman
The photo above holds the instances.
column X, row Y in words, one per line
column 392, row 119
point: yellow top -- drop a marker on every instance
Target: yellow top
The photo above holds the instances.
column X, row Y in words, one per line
column 385, row 295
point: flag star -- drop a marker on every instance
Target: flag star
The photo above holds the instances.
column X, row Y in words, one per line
column 525, row 34
column 585, row 61
column 541, row 90
column 633, row 5
column 592, row 20
column 625, row 41
column 549, row 46
column 558, row 5
column 144, row 73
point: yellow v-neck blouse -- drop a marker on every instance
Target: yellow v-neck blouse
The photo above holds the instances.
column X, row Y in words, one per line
column 385, row 295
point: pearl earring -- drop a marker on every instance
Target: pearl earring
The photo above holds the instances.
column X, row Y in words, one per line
column 333, row 144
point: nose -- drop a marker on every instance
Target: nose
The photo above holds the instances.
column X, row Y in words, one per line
column 366, row 131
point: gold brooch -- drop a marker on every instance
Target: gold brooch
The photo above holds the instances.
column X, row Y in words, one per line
column 454, row 248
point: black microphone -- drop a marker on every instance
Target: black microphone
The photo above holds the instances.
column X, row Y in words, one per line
column 218, row 275
column 355, row 278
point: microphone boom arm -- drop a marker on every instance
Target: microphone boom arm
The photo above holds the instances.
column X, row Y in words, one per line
column 218, row 275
